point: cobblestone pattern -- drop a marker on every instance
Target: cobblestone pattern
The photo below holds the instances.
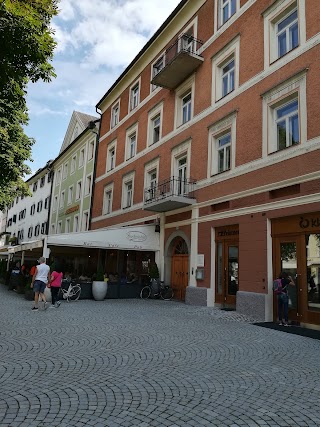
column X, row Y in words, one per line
column 151, row 363
column 196, row 296
column 251, row 302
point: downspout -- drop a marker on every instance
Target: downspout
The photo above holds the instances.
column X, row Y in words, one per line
column 51, row 172
column 94, row 165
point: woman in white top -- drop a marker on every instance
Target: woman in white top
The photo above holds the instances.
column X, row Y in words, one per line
column 40, row 280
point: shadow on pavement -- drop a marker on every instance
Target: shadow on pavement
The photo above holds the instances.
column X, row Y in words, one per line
column 296, row 330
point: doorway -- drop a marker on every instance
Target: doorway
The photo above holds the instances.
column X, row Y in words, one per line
column 179, row 269
column 227, row 266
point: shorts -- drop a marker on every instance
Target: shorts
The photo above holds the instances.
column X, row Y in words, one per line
column 39, row 286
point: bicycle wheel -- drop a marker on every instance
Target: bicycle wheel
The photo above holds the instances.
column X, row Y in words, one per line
column 74, row 294
column 145, row 292
column 166, row 293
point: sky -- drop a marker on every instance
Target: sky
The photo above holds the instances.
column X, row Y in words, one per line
column 96, row 39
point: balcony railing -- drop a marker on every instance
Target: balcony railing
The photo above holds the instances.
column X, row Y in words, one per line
column 172, row 193
column 180, row 60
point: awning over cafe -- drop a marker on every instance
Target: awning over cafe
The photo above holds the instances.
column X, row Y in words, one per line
column 27, row 246
column 141, row 238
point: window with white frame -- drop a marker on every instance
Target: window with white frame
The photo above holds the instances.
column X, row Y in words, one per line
column 37, row 230
column 61, row 204
column 156, row 67
column 65, row 171
column 284, row 29
column 131, row 144
column 107, row 199
column 46, row 202
column 155, row 125
column 70, row 195
column 30, row 232
column 227, row 8
column 115, row 114
column 151, row 180
column 181, row 157
column 43, row 228
column 85, row 221
column 285, row 115
column 111, row 156
column 221, row 148
column 67, row 225
column 184, row 103
column 73, row 164
column 81, row 157
column 127, row 191
column 78, row 190
column 88, row 185
column 76, row 223
column 32, row 209
column 225, row 72
column 134, row 95
column 187, row 40
column 90, row 150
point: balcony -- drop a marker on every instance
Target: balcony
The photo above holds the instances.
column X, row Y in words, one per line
column 179, row 62
column 173, row 193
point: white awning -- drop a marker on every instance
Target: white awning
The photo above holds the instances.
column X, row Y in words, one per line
column 141, row 238
column 26, row 246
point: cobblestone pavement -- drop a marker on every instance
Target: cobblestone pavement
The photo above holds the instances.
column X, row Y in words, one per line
column 150, row 363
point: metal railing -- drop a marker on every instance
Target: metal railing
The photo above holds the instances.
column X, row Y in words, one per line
column 184, row 43
column 173, row 186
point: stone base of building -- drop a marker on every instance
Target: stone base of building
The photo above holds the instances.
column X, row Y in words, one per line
column 251, row 304
column 196, row 296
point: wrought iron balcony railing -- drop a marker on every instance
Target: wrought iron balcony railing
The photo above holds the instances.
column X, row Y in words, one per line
column 171, row 187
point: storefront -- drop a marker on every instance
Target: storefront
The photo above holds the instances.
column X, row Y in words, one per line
column 296, row 250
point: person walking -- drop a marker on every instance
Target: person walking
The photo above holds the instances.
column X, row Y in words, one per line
column 55, row 285
column 283, row 298
column 39, row 282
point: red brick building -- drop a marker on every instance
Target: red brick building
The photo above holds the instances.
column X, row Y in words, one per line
column 213, row 133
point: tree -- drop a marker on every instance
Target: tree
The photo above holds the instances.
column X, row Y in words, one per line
column 27, row 46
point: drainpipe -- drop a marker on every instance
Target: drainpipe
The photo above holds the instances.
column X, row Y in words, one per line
column 51, row 172
column 92, row 126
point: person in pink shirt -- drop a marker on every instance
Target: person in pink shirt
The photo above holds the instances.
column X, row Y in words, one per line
column 55, row 285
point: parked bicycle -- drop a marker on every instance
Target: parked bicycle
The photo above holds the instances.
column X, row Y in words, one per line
column 164, row 291
column 72, row 293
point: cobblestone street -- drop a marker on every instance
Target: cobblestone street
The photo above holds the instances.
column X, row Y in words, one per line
column 151, row 363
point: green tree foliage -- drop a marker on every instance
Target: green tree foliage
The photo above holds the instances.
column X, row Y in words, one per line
column 27, row 46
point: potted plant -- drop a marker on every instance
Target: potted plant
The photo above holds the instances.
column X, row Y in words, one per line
column 99, row 286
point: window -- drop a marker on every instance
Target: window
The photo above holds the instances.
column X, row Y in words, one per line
column 85, row 221
column 67, row 226
column 115, row 114
column 34, row 189
column 227, row 8
column 285, row 115
column 73, row 164
column 155, row 125
column 37, row 230
column 44, row 228
column 61, row 204
column 156, row 68
column 184, row 103
column 78, row 190
column 111, row 156
column 30, row 232
column 151, row 180
column 134, row 95
column 39, row 206
column 14, row 218
column 225, row 72
column 46, row 202
column 181, row 167
column 50, row 176
column 76, row 223
column 70, row 195
column 287, row 123
column 42, row 181
column 88, row 185
column 284, row 29
column 107, row 200
column 81, row 158
column 131, row 145
column 90, row 150
column 221, row 150
column 65, row 171
column 127, row 191
column 33, row 209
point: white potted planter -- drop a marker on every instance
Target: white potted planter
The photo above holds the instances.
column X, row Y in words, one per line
column 99, row 286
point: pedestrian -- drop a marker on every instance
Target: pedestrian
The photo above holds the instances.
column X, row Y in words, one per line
column 39, row 282
column 283, row 298
column 55, row 285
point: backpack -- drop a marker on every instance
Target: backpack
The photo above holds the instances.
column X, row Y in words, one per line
column 277, row 286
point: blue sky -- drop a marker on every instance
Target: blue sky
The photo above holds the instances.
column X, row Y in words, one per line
column 96, row 39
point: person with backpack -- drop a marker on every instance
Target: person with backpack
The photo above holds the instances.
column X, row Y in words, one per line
column 280, row 287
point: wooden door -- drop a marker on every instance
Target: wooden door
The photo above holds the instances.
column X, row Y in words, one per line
column 179, row 276
column 227, row 272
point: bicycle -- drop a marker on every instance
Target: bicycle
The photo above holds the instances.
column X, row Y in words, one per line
column 164, row 291
column 72, row 293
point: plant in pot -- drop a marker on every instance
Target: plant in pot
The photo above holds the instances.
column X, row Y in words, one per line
column 99, row 286
column 154, row 276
